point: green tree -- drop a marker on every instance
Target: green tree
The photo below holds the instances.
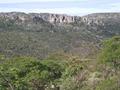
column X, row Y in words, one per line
column 110, row 53
column 26, row 73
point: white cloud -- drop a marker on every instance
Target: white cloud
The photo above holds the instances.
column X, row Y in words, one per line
column 21, row 1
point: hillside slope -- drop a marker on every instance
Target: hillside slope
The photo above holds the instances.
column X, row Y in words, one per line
column 42, row 34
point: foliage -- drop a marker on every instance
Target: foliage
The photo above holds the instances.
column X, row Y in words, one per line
column 23, row 72
column 23, row 35
column 26, row 73
column 31, row 37
column 110, row 54
column 61, row 71
column 109, row 84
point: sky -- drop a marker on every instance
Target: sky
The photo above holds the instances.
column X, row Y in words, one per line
column 69, row 7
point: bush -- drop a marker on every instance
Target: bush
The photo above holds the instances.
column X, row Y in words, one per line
column 24, row 73
column 110, row 54
column 109, row 84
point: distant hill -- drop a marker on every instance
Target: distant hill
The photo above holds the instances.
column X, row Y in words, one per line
column 41, row 34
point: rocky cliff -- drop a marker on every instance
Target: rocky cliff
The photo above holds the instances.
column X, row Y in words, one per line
column 96, row 19
column 52, row 18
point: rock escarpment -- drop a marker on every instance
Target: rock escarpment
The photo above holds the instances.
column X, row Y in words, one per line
column 52, row 18
column 97, row 18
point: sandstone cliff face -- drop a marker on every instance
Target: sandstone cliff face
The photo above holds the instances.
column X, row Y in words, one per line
column 56, row 18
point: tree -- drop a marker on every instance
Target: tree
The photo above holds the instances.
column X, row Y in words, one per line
column 110, row 54
column 26, row 73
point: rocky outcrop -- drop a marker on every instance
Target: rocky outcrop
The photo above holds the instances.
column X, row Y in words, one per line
column 61, row 18
column 52, row 18
column 56, row 18
column 101, row 18
column 91, row 19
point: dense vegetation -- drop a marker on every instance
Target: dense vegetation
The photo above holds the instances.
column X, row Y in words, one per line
column 38, row 39
column 61, row 71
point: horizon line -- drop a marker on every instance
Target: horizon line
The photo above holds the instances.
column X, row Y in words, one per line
column 58, row 13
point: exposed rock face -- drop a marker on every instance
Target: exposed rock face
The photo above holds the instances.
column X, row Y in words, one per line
column 56, row 18
column 52, row 18
column 61, row 18
column 102, row 21
column 99, row 18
